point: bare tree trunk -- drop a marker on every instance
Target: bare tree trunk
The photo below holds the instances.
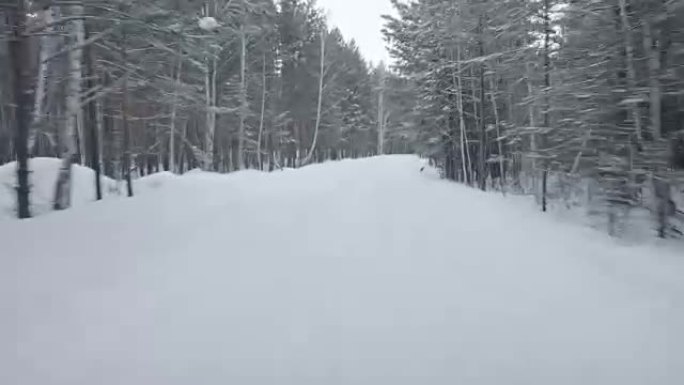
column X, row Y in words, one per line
column 73, row 105
column 110, row 152
column 465, row 151
column 381, row 112
column 80, row 136
column 174, row 113
column 20, row 54
column 533, row 120
column 126, row 166
column 182, row 161
column 93, row 120
column 45, row 52
column 652, row 50
column 495, row 107
column 210, row 87
column 243, row 99
column 320, row 102
column 547, row 103
column 475, row 167
column 483, row 133
column 578, row 158
column 262, row 116
column 631, row 72
column 80, row 128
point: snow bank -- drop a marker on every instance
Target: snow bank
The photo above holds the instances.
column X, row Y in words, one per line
column 358, row 272
column 156, row 181
column 43, row 178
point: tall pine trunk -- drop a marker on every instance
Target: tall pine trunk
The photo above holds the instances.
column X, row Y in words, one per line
column 262, row 115
column 381, row 112
column 497, row 122
column 210, row 133
column 652, row 50
column 93, row 121
column 533, row 122
column 126, row 164
column 20, row 54
column 457, row 78
column 210, row 87
column 482, row 177
column 174, row 112
column 243, row 99
column 547, row 103
column 631, row 71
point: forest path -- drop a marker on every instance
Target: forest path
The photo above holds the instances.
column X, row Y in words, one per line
column 353, row 272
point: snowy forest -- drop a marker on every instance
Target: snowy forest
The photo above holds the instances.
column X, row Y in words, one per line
column 577, row 102
column 134, row 87
column 366, row 192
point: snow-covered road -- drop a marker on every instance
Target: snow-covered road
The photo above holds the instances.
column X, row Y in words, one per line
column 348, row 273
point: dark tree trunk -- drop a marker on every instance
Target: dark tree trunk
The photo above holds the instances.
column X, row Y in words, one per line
column 126, row 166
column 108, row 135
column 23, row 93
column 92, row 119
column 665, row 206
column 483, row 133
column 451, row 169
column 449, row 161
column 547, row 106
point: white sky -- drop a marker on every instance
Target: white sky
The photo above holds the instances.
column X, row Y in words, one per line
column 360, row 20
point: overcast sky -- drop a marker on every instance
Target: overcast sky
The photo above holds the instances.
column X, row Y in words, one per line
column 360, row 20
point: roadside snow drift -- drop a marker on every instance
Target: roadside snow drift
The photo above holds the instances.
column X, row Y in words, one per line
column 354, row 272
column 42, row 181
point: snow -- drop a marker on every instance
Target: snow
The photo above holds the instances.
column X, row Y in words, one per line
column 154, row 181
column 208, row 23
column 352, row 272
column 43, row 177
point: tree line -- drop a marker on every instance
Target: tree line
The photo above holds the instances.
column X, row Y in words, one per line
column 560, row 98
column 569, row 100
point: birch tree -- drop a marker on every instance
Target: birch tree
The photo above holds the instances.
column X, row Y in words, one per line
column 319, row 104
column 67, row 137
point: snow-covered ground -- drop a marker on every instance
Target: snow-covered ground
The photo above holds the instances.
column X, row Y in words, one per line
column 353, row 272
column 42, row 180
